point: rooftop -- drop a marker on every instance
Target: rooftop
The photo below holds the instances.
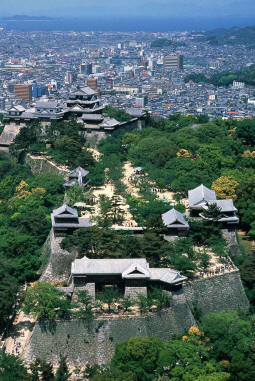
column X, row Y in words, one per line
column 132, row 268
column 173, row 218
column 200, row 195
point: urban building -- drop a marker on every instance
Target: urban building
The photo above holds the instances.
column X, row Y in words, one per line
column 23, row 92
column 92, row 83
column 86, row 69
column 173, row 61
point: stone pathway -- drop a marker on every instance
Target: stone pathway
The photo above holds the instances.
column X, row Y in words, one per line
column 21, row 332
column 129, row 173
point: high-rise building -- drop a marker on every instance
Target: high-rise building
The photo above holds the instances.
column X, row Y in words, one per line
column 142, row 101
column 68, row 78
column 173, row 61
column 92, row 83
column 38, row 90
column 2, row 103
column 23, row 91
column 86, row 69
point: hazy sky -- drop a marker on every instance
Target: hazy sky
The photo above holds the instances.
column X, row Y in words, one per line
column 116, row 8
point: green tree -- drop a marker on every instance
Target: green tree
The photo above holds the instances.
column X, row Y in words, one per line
column 46, row 370
column 69, row 147
column 144, row 303
column 109, row 295
column 127, row 302
column 8, row 290
column 212, row 213
column 204, row 260
column 35, row 370
column 232, row 338
column 62, row 371
column 12, row 368
column 138, row 355
column 119, row 115
column 86, row 305
column 114, row 375
column 160, row 297
column 245, row 131
column 75, row 194
column 45, row 301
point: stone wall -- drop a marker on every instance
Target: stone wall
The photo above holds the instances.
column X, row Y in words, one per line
column 9, row 133
column 40, row 164
column 97, row 135
column 231, row 241
column 59, row 266
column 222, row 292
column 94, row 342
column 132, row 292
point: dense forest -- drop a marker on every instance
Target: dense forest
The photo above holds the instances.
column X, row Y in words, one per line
column 178, row 154
column 226, row 78
column 26, row 202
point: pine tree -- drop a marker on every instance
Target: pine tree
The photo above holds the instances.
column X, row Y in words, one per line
column 62, row 372
column 35, row 367
column 46, row 371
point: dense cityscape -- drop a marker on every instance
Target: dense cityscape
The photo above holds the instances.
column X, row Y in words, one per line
column 127, row 70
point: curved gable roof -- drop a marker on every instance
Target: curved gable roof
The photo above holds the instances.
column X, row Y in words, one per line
column 173, row 217
column 200, row 194
column 65, row 209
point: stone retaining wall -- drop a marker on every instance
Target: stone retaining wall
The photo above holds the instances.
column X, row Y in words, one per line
column 231, row 241
column 40, row 164
column 221, row 292
column 9, row 133
column 132, row 292
column 94, row 342
column 59, row 266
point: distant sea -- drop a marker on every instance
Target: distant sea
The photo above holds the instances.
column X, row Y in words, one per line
column 126, row 24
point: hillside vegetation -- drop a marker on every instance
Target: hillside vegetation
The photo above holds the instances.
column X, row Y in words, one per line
column 26, row 202
column 177, row 154
column 232, row 36
column 226, row 78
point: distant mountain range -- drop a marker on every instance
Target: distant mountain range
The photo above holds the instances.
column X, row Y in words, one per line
column 27, row 18
column 104, row 22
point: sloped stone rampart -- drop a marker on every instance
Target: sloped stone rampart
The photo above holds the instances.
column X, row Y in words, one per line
column 222, row 292
column 59, row 266
column 40, row 164
column 231, row 241
column 93, row 342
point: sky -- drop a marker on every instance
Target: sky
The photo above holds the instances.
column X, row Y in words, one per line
column 129, row 8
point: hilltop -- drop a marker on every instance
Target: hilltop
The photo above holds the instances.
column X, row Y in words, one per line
column 233, row 36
